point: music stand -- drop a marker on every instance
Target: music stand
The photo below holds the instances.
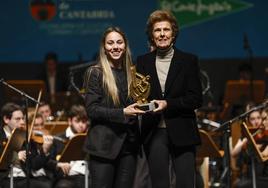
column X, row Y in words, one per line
column 207, row 149
column 240, row 91
column 13, row 144
column 68, row 153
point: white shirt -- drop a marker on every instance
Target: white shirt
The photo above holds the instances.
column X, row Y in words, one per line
column 163, row 61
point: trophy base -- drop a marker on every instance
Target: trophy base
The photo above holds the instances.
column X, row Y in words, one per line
column 147, row 107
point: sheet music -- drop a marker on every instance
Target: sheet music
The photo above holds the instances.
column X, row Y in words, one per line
column 77, row 167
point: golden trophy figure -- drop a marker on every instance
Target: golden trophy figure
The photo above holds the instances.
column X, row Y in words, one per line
column 140, row 90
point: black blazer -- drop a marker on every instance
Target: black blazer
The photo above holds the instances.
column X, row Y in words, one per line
column 183, row 94
column 3, row 139
column 59, row 146
column 109, row 127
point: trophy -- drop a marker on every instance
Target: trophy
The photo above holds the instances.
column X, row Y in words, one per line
column 140, row 90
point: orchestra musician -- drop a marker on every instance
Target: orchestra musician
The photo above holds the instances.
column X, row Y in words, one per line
column 264, row 133
column 12, row 117
column 45, row 110
column 241, row 156
column 71, row 174
column 68, row 174
column 253, row 120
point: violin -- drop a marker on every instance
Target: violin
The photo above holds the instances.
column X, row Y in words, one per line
column 37, row 136
column 261, row 134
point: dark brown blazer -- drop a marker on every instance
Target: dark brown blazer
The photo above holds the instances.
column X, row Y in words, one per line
column 183, row 94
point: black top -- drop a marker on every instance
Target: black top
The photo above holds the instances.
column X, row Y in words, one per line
column 121, row 82
column 110, row 129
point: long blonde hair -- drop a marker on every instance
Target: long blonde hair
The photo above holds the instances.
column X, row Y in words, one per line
column 108, row 79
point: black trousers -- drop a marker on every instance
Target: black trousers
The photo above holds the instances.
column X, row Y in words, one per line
column 183, row 162
column 76, row 181
column 34, row 182
column 118, row 173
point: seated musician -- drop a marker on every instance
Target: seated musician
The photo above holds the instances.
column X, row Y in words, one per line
column 12, row 117
column 45, row 110
column 264, row 116
column 39, row 122
column 241, row 155
column 253, row 120
column 71, row 174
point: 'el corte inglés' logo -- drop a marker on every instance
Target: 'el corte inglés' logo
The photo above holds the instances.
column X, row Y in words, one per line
column 191, row 12
column 43, row 10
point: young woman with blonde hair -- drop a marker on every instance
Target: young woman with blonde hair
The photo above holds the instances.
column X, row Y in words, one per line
column 112, row 141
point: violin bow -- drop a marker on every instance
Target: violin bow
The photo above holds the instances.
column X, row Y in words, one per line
column 34, row 116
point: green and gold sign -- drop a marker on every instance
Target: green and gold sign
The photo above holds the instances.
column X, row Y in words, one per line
column 191, row 12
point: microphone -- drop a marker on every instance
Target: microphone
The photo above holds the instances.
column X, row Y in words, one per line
column 1, row 80
column 211, row 123
column 245, row 42
column 246, row 46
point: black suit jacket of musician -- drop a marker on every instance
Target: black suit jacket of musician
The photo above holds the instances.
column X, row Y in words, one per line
column 3, row 141
column 109, row 127
column 183, row 94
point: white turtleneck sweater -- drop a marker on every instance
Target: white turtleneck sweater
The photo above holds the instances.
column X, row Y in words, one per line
column 163, row 60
